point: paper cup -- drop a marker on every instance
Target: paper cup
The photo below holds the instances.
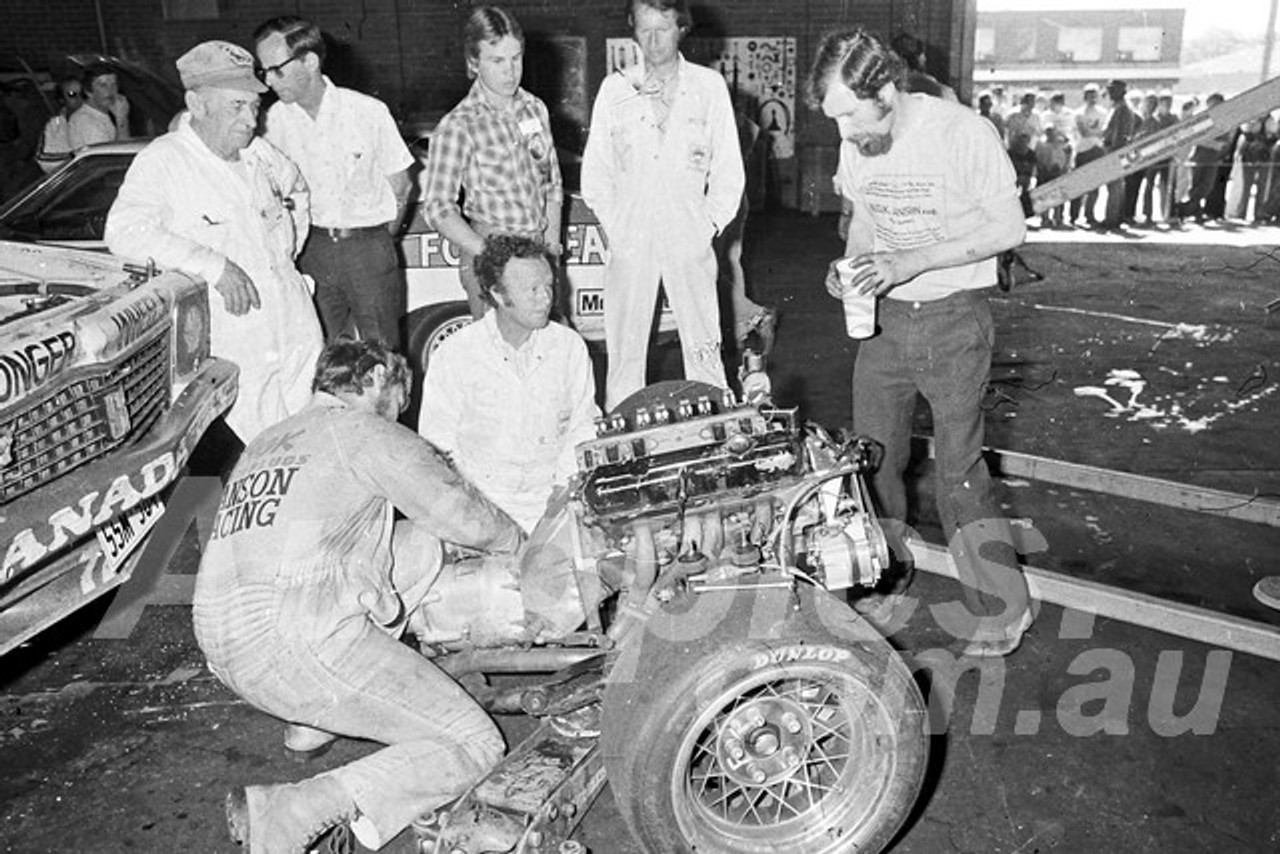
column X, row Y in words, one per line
column 859, row 309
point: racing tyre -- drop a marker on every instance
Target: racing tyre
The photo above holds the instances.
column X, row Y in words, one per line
column 787, row 727
column 430, row 326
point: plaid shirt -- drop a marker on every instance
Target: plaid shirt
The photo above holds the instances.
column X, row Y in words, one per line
column 504, row 162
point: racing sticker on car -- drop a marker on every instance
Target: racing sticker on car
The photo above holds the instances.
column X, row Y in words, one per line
column 28, row 366
column 94, row 509
column 799, row 652
column 584, row 245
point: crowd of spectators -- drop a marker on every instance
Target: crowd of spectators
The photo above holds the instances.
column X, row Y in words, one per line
column 1234, row 176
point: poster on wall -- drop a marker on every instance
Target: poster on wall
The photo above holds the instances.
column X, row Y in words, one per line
column 760, row 71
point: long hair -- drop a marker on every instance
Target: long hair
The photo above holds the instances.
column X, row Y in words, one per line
column 863, row 62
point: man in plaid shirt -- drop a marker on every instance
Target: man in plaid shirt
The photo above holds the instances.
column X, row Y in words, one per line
column 496, row 147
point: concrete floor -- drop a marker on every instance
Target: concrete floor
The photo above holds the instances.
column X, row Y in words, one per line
column 1095, row 737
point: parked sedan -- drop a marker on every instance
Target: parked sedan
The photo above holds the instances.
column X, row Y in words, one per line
column 69, row 208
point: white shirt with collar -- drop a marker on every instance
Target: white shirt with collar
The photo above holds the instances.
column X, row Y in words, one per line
column 510, row 418
column 90, row 126
column 346, row 153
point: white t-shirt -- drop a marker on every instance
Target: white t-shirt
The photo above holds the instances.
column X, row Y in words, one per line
column 945, row 164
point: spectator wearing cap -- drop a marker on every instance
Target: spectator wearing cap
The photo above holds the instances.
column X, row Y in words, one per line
column 357, row 167
column 1091, row 123
column 214, row 201
column 1122, row 126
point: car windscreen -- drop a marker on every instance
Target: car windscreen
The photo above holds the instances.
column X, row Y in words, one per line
column 71, row 205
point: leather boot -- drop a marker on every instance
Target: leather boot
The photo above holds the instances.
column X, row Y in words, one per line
column 286, row 819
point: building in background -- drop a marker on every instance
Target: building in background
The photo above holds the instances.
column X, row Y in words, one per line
column 1034, row 44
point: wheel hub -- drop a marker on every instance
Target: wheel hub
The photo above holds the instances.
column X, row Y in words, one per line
column 764, row 741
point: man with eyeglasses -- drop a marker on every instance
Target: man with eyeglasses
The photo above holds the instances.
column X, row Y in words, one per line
column 356, row 166
column 213, row 200
column 55, row 141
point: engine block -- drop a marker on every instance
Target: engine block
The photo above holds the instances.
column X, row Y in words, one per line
column 661, row 461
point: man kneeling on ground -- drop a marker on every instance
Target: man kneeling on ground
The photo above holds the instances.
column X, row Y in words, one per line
column 305, row 585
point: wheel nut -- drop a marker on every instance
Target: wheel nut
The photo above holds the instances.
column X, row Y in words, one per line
column 791, row 723
column 757, row 774
column 735, row 749
column 790, row 758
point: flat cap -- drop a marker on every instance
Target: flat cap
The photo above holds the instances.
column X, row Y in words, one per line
column 218, row 64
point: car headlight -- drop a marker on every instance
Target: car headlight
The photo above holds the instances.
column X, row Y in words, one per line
column 190, row 331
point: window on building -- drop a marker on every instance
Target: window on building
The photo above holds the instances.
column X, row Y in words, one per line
column 1018, row 43
column 1080, row 44
column 984, row 48
column 1139, row 44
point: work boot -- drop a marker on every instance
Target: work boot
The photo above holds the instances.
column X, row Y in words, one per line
column 286, row 819
column 302, row 742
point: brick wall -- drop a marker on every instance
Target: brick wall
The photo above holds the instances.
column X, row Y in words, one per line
column 409, row 53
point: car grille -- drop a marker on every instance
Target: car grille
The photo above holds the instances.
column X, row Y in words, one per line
column 84, row 421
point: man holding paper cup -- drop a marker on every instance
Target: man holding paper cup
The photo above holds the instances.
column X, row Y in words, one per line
column 934, row 202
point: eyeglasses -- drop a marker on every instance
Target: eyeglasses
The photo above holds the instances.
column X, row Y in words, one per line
column 277, row 69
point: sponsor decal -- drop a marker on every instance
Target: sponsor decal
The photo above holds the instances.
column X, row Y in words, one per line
column 252, row 501
column 584, row 245
column 27, row 367
column 134, row 319
column 29, row 547
column 799, row 652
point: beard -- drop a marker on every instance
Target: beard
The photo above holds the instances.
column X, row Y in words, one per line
column 876, row 143
column 873, row 144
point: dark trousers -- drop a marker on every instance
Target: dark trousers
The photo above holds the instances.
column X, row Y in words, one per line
column 360, row 287
column 1090, row 199
column 940, row 351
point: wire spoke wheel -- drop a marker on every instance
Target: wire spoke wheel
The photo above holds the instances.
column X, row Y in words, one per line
column 813, row 740
column 765, row 761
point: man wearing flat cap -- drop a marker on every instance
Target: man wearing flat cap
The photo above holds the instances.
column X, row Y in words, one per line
column 214, row 201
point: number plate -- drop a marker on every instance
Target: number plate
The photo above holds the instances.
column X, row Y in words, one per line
column 122, row 535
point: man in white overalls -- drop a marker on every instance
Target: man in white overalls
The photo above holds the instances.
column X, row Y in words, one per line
column 663, row 173
column 214, row 201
